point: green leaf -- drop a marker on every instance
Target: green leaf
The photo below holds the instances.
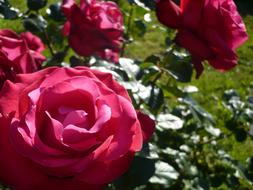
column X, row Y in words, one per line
column 55, row 13
column 139, row 28
column 7, row 11
column 164, row 174
column 250, row 163
column 178, row 66
column 35, row 23
column 36, row 4
column 250, row 100
column 198, row 111
column 240, row 135
column 150, row 75
column 172, row 89
column 203, row 183
column 156, row 99
column 229, row 94
column 213, row 131
column 216, row 180
column 129, row 67
column 75, row 61
column 169, row 121
column 104, row 66
column 148, row 64
column 56, row 60
column 141, row 170
column 146, row 4
column 247, row 115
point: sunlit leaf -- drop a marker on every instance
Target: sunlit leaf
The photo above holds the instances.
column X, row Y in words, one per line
column 7, row 11
column 169, row 121
column 164, row 173
column 36, row 4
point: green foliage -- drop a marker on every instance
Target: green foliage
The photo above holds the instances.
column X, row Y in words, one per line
column 36, row 4
column 204, row 131
column 6, row 11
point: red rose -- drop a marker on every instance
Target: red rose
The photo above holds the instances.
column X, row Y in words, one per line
column 6, row 71
column 94, row 28
column 210, row 30
column 19, row 54
column 68, row 129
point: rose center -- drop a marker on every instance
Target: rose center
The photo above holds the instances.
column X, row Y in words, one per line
column 72, row 116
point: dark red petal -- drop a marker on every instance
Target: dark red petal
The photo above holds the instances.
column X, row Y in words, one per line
column 147, row 125
column 67, row 6
column 192, row 13
column 223, row 64
column 66, row 28
column 104, row 172
column 198, row 66
column 14, row 166
column 168, row 13
column 51, row 183
column 194, row 44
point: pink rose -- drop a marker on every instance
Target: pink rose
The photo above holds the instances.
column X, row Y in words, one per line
column 19, row 54
column 68, row 129
column 94, row 28
column 209, row 29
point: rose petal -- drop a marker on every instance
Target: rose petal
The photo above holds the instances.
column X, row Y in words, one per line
column 235, row 29
column 147, row 125
column 25, row 63
column 77, row 118
column 102, row 172
column 168, row 13
column 67, row 6
column 34, row 43
column 192, row 13
column 10, row 161
column 195, row 45
column 107, row 79
column 66, row 28
column 123, row 133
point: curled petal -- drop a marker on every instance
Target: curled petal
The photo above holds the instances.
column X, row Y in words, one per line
column 235, row 29
column 67, row 6
column 101, row 172
column 168, row 13
column 34, row 43
column 147, row 125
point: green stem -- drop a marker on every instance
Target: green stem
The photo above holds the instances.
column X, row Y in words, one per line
column 48, row 42
column 128, row 30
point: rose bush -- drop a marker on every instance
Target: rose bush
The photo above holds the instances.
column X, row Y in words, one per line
column 209, row 29
column 19, row 54
column 77, row 129
column 94, row 28
column 67, row 128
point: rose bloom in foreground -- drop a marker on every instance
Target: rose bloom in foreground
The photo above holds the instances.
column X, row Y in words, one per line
column 68, row 129
column 19, row 54
column 94, row 28
column 209, row 29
